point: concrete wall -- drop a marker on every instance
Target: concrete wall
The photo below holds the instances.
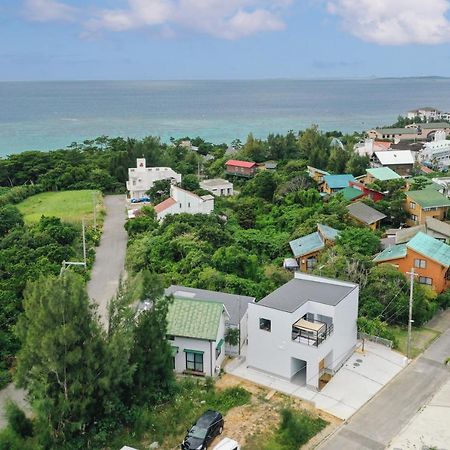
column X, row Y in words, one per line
column 219, row 190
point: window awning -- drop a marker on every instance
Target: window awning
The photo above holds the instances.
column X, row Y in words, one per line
column 198, row 352
column 219, row 344
column 307, row 325
column 174, row 350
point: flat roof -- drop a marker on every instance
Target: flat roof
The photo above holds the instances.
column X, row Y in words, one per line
column 215, row 182
column 297, row 292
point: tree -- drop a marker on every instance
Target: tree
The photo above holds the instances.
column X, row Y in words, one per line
column 62, row 357
column 358, row 240
column 160, row 191
column 10, row 217
column 262, row 185
column 190, row 183
column 153, row 379
column 357, row 165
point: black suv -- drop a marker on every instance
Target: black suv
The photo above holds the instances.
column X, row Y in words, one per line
column 207, row 427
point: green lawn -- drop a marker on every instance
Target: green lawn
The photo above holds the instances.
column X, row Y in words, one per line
column 421, row 338
column 70, row 206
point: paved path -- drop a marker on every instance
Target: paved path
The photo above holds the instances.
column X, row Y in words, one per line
column 11, row 393
column 375, row 425
column 110, row 256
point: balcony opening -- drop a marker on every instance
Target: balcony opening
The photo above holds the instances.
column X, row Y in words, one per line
column 311, row 331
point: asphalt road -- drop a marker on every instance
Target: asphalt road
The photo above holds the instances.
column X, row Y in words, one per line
column 110, row 256
column 382, row 418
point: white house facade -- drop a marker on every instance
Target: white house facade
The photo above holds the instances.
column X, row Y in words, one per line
column 218, row 187
column 182, row 201
column 141, row 178
column 437, row 152
column 196, row 333
column 304, row 329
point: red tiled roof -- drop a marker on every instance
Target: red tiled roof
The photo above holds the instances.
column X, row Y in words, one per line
column 382, row 145
column 160, row 207
column 235, row 162
column 426, row 169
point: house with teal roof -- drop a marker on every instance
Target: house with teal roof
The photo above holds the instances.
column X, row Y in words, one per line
column 306, row 249
column 381, row 174
column 335, row 183
column 429, row 257
column 196, row 333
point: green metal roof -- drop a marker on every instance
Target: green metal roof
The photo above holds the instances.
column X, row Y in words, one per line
column 307, row 244
column 194, row 319
column 350, row 193
column 383, row 174
column 432, row 125
column 338, row 181
column 394, row 252
column 430, row 247
column 428, row 198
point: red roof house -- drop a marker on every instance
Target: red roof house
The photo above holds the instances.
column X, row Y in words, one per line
column 241, row 168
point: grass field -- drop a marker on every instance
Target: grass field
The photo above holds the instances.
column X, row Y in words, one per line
column 421, row 338
column 70, row 206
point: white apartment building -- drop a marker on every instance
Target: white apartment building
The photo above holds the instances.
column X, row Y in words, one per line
column 218, row 187
column 141, row 177
column 182, row 201
column 304, row 329
column 437, row 152
column 427, row 114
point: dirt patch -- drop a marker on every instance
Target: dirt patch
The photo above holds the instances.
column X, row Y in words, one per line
column 262, row 415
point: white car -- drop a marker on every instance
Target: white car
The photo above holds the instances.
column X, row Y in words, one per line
column 227, row 444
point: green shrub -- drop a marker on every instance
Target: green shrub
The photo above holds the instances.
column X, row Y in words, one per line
column 376, row 327
column 18, row 421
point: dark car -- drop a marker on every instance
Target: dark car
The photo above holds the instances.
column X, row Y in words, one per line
column 207, row 427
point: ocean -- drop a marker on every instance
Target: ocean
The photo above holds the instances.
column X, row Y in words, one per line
column 50, row 115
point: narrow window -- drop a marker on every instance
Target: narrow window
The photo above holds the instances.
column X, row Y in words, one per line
column 265, row 324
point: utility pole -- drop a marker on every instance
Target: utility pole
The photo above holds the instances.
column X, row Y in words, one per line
column 95, row 209
column 410, row 319
column 65, row 264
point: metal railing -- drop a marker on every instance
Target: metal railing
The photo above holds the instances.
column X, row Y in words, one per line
column 308, row 338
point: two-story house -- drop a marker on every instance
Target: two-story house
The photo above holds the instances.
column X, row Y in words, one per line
column 380, row 174
column 304, row 329
column 182, row 201
column 241, row 168
column 429, row 257
column 306, row 249
column 425, row 203
column 400, row 161
column 335, row 183
column 141, row 178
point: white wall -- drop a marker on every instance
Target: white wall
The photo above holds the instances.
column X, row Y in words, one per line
column 273, row 351
column 225, row 189
column 141, row 177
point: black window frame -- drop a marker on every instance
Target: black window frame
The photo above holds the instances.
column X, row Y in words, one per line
column 265, row 324
column 195, row 364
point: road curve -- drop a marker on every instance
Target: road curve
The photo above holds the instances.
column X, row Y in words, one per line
column 109, row 263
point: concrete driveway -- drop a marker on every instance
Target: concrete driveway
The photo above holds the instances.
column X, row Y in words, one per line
column 110, row 256
column 363, row 375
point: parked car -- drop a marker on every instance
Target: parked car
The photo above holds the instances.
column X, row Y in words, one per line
column 207, row 427
column 227, row 444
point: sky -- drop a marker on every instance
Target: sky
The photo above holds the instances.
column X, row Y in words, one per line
column 222, row 39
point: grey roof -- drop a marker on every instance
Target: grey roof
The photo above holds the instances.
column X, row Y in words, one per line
column 236, row 305
column 406, row 234
column 297, row 292
column 438, row 226
column 364, row 213
column 215, row 182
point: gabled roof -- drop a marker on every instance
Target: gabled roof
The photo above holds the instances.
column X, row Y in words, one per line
column 160, row 207
column 432, row 248
column 383, row 174
column 307, row 244
column 315, row 169
column 194, row 319
column 313, row 242
column 338, row 181
column 237, row 163
column 395, row 252
column 438, row 226
column 364, row 213
column 236, row 305
column 428, row 198
column 297, row 292
column 395, row 157
column 351, row 193
column 433, row 125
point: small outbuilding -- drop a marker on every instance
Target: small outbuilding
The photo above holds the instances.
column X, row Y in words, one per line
column 365, row 214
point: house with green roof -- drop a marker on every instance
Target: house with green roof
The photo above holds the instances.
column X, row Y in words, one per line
column 335, row 183
column 196, row 333
column 306, row 249
column 380, row 174
column 429, row 257
column 425, row 203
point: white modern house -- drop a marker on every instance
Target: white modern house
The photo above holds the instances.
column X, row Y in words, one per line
column 182, row 201
column 218, row 187
column 236, row 306
column 141, row 177
column 196, row 333
column 304, row 329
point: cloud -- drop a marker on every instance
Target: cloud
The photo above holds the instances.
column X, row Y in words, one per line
column 49, row 10
column 227, row 19
column 394, row 22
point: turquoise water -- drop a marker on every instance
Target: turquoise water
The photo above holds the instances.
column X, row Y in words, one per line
column 48, row 115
